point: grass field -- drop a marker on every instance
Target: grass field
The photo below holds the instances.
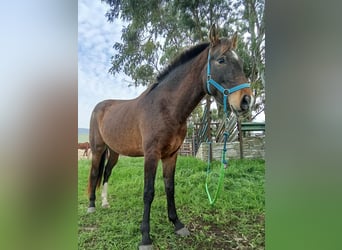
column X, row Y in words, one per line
column 83, row 137
column 236, row 221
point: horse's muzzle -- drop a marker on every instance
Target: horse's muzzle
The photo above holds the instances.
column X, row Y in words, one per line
column 245, row 104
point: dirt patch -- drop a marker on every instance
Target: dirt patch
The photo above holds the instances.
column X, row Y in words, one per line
column 228, row 236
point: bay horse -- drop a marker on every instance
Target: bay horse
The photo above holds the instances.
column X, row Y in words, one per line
column 85, row 146
column 153, row 125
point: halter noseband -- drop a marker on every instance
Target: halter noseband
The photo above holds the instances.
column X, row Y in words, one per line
column 224, row 92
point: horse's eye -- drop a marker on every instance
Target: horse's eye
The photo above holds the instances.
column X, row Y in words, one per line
column 220, row 60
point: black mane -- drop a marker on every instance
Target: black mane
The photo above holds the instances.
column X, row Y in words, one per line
column 182, row 58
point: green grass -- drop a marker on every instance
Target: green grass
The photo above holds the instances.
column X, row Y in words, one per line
column 83, row 138
column 236, row 221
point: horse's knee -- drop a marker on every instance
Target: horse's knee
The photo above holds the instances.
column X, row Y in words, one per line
column 169, row 188
column 148, row 195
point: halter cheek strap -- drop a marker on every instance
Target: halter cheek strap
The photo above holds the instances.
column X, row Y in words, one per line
column 223, row 91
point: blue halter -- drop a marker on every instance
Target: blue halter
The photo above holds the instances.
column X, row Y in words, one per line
column 224, row 92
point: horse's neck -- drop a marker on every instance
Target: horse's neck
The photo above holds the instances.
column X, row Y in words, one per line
column 189, row 91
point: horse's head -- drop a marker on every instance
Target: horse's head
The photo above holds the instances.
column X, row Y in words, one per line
column 225, row 79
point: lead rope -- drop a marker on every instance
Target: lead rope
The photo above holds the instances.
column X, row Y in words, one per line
column 224, row 164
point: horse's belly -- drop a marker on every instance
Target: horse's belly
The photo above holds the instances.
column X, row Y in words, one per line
column 125, row 143
column 128, row 151
column 120, row 131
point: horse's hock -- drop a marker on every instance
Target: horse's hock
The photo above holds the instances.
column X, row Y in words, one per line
column 253, row 148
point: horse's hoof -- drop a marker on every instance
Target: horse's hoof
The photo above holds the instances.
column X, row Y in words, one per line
column 183, row 232
column 145, row 247
column 105, row 205
column 91, row 210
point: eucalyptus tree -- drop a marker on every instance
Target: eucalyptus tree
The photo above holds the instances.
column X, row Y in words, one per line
column 155, row 31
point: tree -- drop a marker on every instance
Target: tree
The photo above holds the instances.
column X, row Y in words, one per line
column 158, row 30
column 254, row 16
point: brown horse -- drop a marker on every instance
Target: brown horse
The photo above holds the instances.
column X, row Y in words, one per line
column 153, row 125
column 85, row 146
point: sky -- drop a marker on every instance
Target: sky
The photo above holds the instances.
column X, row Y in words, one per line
column 96, row 38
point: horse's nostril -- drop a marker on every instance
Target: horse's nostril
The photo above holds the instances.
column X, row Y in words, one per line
column 246, row 100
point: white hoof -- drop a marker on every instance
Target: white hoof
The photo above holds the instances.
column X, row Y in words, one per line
column 183, row 232
column 91, row 210
column 145, row 247
column 105, row 205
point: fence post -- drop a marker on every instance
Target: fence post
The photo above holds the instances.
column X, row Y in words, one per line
column 209, row 139
column 240, row 138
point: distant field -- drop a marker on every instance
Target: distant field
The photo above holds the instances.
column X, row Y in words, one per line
column 83, row 137
column 236, row 221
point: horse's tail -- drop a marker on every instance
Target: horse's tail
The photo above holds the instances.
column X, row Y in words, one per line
column 101, row 171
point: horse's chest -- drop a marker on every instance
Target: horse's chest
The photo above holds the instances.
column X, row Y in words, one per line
column 172, row 142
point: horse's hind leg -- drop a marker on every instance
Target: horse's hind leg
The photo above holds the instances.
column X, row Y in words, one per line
column 95, row 175
column 112, row 160
column 169, row 166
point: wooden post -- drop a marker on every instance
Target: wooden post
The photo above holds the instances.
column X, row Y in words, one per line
column 208, row 103
column 210, row 152
column 240, row 138
column 193, row 146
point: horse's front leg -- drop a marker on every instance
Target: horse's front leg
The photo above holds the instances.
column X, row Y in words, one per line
column 169, row 166
column 150, row 168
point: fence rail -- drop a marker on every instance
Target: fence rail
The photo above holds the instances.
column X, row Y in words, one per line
column 252, row 126
column 207, row 131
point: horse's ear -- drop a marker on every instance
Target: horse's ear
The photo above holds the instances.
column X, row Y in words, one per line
column 213, row 35
column 234, row 40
